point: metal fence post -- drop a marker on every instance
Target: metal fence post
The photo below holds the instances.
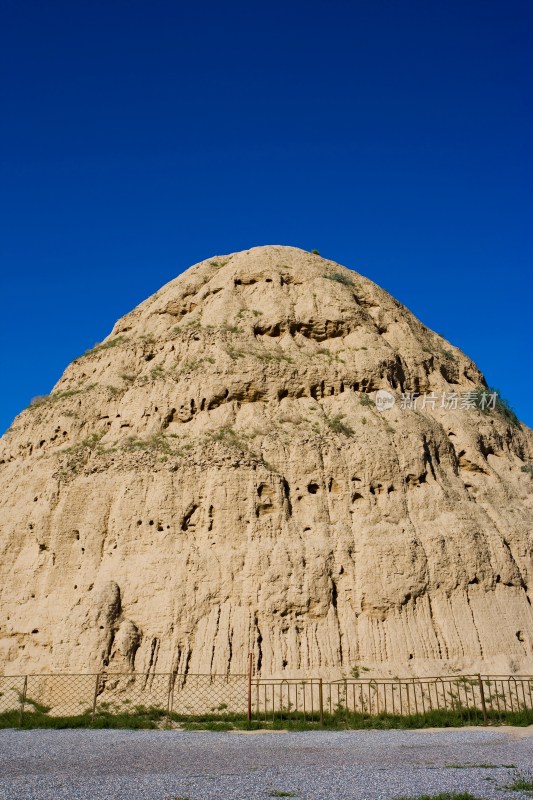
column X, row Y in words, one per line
column 482, row 694
column 321, row 702
column 250, row 666
column 95, row 697
column 23, row 700
column 170, row 698
column 345, row 699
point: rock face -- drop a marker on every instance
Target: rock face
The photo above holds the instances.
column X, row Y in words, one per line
column 215, row 478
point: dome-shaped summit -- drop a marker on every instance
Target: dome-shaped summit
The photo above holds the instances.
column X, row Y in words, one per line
column 216, row 477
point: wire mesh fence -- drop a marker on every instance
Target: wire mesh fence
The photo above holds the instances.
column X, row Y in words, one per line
column 194, row 695
column 60, row 695
column 130, row 693
column 11, row 692
column 470, row 698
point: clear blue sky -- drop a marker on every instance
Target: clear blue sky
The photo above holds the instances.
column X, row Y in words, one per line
column 140, row 137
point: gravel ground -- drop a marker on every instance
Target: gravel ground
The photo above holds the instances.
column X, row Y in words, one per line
column 163, row 765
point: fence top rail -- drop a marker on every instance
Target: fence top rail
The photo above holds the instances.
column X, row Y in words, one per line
column 104, row 674
column 432, row 678
column 272, row 680
column 413, row 679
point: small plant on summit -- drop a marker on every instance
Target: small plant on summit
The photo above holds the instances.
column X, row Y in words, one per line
column 315, row 252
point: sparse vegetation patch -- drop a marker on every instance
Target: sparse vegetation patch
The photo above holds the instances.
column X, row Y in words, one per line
column 156, row 443
column 152, row 717
column 480, row 395
column 103, row 346
column 449, row 354
column 523, row 782
column 340, row 277
column 443, row 796
column 46, row 399
column 157, row 372
column 337, row 424
column 195, row 363
column 92, row 442
column 357, row 670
